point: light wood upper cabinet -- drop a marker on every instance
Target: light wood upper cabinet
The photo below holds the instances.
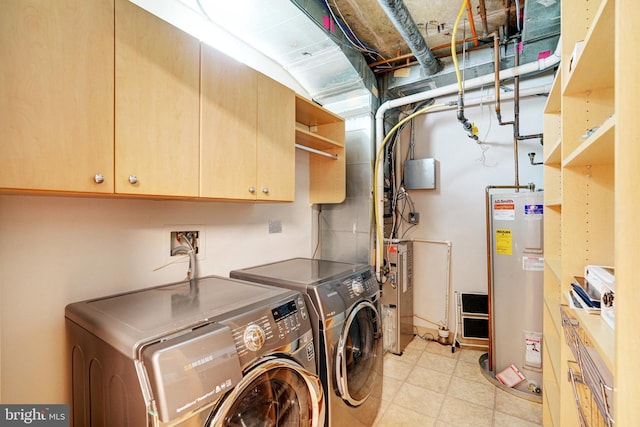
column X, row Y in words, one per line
column 247, row 132
column 228, row 128
column 56, row 95
column 157, row 82
column 102, row 96
column 276, row 141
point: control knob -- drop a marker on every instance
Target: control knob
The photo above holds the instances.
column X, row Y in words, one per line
column 254, row 337
column 357, row 287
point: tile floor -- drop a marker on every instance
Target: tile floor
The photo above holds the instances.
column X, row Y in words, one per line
column 430, row 386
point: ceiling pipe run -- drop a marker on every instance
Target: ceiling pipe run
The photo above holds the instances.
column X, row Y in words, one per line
column 488, row 79
column 404, row 23
column 483, row 16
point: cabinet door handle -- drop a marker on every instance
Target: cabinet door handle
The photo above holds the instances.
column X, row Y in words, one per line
column 252, row 190
column 265, row 190
column 98, row 178
column 133, row 179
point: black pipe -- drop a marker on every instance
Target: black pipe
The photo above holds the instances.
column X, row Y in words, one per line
column 466, row 124
column 532, row 136
column 532, row 157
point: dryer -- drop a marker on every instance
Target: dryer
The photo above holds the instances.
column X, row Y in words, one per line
column 214, row 352
column 343, row 301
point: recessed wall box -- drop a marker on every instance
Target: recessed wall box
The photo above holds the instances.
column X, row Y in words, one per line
column 420, row 174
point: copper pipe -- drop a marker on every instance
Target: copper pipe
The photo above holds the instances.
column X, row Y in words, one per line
column 448, row 45
column 407, row 60
column 472, row 24
column 396, row 59
column 483, row 17
column 516, row 113
column 496, row 68
column 410, row 55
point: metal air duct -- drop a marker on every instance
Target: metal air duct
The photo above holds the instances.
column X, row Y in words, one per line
column 401, row 19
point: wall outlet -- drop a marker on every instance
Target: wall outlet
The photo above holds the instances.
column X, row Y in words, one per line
column 275, row 226
column 177, row 239
column 414, row 217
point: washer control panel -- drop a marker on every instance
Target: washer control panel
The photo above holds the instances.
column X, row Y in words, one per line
column 254, row 337
column 361, row 284
column 283, row 322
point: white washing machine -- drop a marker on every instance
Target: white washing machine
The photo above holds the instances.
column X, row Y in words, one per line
column 213, row 352
column 343, row 301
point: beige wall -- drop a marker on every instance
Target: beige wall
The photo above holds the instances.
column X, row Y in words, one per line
column 455, row 211
column 56, row 250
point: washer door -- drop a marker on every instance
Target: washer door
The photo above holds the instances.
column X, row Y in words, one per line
column 275, row 393
column 357, row 353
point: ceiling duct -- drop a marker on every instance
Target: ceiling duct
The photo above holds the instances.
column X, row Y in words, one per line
column 540, row 34
column 402, row 20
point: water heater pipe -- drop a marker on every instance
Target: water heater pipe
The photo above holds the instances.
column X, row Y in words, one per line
column 531, row 67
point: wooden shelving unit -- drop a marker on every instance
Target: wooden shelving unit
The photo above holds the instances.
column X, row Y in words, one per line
column 320, row 129
column 591, row 190
column 551, row 374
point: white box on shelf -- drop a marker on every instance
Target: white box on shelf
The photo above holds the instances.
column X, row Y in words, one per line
column 577, row 50
column 602, row 278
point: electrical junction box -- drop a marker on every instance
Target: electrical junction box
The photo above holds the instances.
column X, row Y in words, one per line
column 420, row 174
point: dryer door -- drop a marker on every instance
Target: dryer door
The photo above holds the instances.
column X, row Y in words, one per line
column 359, row 348
column 275, row 392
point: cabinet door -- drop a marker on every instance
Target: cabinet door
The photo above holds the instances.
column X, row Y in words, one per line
column 157, row 105
column 56, row 95
column 276, row 141
column 228, row 131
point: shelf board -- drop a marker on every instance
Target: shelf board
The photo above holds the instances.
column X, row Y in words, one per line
column 553, row 100
column 593, row 69
column 601, row 336
column 555, row 155
column 553, row 203
column 314, row 140
column 552, row 307
column 551, row 397
column 597, row 149
column 555, row 267
column 552, row 302
column 312, row 114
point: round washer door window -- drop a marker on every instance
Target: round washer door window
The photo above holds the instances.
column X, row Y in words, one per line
column 356, row 357
column 276, row 393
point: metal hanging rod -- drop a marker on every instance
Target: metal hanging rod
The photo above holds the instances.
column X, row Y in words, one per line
column 314, row 151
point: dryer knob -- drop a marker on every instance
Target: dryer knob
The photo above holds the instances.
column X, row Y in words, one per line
column 357, row 287
column 254, row 337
